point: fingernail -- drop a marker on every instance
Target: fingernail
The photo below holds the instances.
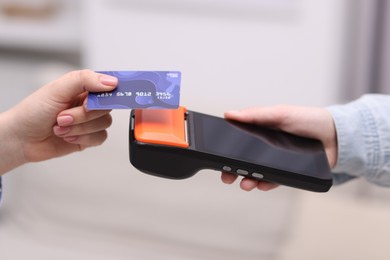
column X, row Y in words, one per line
column 108, row 80
column 59, row 130
column 65, row 120
column 232, row 113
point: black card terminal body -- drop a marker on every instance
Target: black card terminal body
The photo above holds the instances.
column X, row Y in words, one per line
column 178, row 143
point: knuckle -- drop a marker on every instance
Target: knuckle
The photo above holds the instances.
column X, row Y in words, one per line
column 78, row 75
column 84, row 74
column 104, row 121
column 108, row 120
column 281, row 113
column 100, row 138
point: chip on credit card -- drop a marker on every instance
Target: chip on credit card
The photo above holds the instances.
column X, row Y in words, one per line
column 140, row 90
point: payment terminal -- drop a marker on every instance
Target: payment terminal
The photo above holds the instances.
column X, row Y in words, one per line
column 178, row 143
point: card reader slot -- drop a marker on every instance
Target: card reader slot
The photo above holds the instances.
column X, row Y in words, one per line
column 165, row 127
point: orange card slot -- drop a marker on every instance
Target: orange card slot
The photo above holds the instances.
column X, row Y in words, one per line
column 161, row 126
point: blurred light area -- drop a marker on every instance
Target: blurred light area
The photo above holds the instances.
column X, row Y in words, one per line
column 232, row 54
column 247, row 9
column 39, row 41
column 40, row 24
column 22, row 72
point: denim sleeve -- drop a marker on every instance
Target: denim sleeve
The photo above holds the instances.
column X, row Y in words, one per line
column 363, row 136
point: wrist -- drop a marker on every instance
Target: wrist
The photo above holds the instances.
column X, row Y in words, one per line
column 11, row 149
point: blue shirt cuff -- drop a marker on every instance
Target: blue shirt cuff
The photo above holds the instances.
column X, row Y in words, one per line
column 362, row 128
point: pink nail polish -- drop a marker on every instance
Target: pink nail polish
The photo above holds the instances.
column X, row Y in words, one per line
column 65, row 120
column 108, row 80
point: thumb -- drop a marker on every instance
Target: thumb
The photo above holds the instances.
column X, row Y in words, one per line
column 72, row 84
column 268, row 116
column 310, row 122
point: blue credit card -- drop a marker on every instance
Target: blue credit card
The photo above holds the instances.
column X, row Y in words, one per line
column 139, row 89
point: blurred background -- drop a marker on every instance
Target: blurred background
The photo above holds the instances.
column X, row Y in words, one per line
column 232, row 54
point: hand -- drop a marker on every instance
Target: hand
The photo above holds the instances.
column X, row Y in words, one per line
column 309, row 122
column 53, row 121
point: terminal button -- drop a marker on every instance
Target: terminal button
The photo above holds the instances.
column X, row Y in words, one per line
column 227, row 168
column 258, row 175
column 242, row 172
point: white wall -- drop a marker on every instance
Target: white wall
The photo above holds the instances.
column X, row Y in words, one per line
column 257, row 56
